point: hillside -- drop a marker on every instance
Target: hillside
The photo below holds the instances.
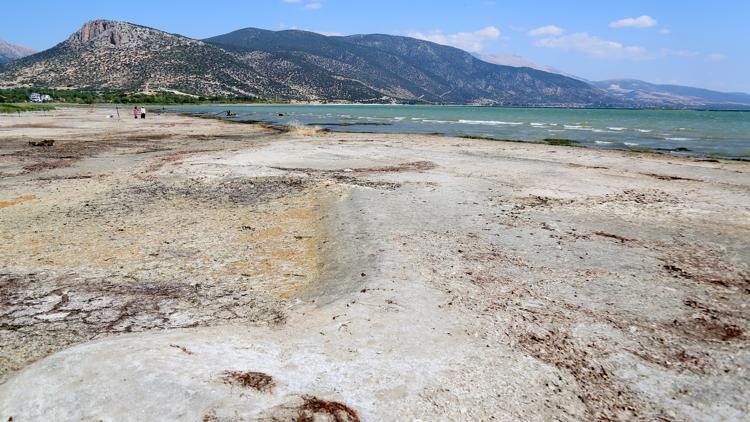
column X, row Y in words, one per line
column 653, row 95
column 10, row 51
column 292, row 65
column 300, row 65
column 107, row 55
column 407, row 68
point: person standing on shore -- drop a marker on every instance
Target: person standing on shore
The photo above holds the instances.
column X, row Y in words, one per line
column 143, row 112
column 135, row 112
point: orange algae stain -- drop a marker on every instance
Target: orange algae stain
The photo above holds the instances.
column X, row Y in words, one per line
column 285, row 248
column 18, row 200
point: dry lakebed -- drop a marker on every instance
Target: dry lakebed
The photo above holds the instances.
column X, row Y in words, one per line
column 178, row 268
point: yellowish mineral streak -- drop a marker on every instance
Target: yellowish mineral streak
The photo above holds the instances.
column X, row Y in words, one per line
column 18, row 200
column 274, row 246
column 285, row 245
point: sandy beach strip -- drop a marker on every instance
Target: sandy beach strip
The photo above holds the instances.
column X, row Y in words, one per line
column 197, row 269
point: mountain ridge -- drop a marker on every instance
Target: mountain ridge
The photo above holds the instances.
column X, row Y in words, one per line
column 670, row 95
column 10, row 51
column 297, row 65
column 417, row 69
column 105, row 54
column 655, row 93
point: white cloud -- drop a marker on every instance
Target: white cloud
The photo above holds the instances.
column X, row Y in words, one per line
column 644, row 21
column 291, row 1
column 313, row 5
column 469, row 41
column 546, row 30
column 715, row 57
column 678, row 53
column 593, row 46
column 665, row 31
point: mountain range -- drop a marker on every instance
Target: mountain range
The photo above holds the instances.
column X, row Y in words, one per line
column 10, row 51
column 106, row 55
column 292, row 65
column 670, row 96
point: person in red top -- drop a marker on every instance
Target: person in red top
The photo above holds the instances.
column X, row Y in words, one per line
column 136, row 112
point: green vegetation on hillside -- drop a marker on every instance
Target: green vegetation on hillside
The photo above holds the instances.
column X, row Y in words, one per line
column 15, row 108
column 20, row 95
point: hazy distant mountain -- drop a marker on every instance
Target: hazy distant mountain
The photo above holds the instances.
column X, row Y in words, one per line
column 515, row 60
column 108, row 55
column 10, row 51
column 640, row 93
column 653, row 95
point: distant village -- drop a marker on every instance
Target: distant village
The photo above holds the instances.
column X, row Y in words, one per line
column 35, row 97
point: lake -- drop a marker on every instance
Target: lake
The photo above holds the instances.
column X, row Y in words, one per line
column 678, row 132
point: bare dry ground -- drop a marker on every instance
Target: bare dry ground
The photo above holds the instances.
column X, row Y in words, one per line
column 180, row 268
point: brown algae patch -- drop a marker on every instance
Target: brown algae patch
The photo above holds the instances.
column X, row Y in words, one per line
column 258, row 381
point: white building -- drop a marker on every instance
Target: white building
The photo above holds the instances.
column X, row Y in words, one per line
column 39, row 98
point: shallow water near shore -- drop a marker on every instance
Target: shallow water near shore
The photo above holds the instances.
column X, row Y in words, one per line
column 679, row 132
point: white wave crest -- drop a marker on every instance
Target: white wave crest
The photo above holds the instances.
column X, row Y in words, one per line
column 488, row 122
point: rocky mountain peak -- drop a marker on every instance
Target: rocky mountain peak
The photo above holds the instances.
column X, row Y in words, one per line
column 102, row 33
column 96, row 29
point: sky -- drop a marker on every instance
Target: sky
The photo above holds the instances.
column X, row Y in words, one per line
column 687, row 42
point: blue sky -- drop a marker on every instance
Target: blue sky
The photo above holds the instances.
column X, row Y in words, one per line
column 699, row 43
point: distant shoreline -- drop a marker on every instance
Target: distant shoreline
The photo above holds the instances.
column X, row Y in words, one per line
column 664, row 149
column 310, row 104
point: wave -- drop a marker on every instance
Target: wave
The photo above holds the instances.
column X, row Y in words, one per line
column 630, row 144
column 435, row 121
column 537, row 124
column 602, row 142
column 679, row 139
column 617, row 128
column 644, row 130
column 488, row 122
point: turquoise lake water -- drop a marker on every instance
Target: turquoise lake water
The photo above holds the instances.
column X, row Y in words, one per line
column 678, row 132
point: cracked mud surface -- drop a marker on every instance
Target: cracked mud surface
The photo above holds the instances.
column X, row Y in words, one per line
column 153, row 255
column 377, row 277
